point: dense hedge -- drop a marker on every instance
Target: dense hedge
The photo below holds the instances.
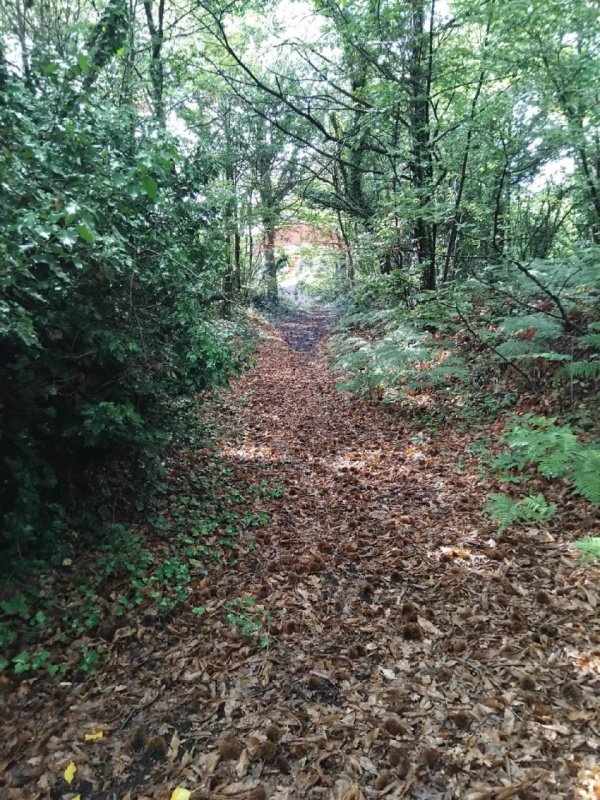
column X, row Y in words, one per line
column 110, row 257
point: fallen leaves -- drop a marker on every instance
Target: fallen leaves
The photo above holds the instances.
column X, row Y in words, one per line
column 93, row 737
column 412, row 651
column 180, row 794
column 69, row 773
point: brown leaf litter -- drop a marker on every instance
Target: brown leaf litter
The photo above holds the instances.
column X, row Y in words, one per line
column 412, row 651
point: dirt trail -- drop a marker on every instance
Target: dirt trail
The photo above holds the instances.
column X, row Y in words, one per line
column 411, row 652
column 304, row 329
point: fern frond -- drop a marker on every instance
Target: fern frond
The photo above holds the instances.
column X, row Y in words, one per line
column 366, row 319
column 541, row 442
column 586, row 474
column 592, row 339
column 518, row 348
column 502, row 509
column 506, row 512
column 589, row 548
column 535, row 508
column 560, row 446
column 547, row 356
column 543, row 326
column 588, row 370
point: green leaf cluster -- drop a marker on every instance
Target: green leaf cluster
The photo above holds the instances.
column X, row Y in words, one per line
column 109, row 266
column 506, row 512
column 554, row 450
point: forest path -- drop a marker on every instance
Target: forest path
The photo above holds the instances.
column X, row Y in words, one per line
column 302, row 329
column 395, row 646
column 409, row 653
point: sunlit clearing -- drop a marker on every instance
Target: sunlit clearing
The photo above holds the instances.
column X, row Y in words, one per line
column 587, row 663
column 249, row 453
column 588, row 787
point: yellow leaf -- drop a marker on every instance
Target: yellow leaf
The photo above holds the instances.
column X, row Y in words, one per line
column 70, row 772
column 181, row 794
column 91, row 737
column 77, row 797
column 67, row 562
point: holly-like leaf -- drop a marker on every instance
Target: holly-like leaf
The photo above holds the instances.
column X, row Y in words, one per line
column 67, row 237
column 150, row 186
column 86, row 233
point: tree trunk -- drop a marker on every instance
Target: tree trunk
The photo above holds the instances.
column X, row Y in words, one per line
column 348, row 251
column 421, row 166
column 21, row 10
column 269, row 215
column 451, row 250
column 270, row 264
column 156, row 31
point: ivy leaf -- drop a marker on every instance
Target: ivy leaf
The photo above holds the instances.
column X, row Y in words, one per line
column 86, row 233
column 21, row 662
column 151, row 187
column 67, row 237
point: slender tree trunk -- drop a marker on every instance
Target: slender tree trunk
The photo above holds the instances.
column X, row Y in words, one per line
column 270, row 263
column 21, row 11
column 462, row 179
column 348, row 252
column 231, row 281
column 248, row 276
column 498, row 230
column 269, row 217
column 156, row 31
column 421, row 166
column 237, row 256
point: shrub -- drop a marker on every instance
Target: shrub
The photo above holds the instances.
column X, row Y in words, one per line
column 109, row 268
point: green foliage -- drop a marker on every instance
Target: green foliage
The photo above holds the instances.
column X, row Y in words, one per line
column 537, row 330
column 249, row 619
column 108, row 268
column 589, row 548
column 555, row 451
column 539, row 442
column 68, row 602
column 395, row 351
column 541, row 325
column 585, row 474
column 588, row 369
column 506, row 512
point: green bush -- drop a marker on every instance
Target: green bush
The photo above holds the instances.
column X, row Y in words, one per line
column 109, row 265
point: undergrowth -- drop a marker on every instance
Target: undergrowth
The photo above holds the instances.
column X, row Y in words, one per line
column 472, row 357
column 59, row 614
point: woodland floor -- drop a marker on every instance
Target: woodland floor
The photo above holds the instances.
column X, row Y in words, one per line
column 409, row 650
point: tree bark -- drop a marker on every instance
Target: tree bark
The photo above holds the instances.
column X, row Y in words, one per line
column 157, row 78
column 421, row 166
column 270, row 264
